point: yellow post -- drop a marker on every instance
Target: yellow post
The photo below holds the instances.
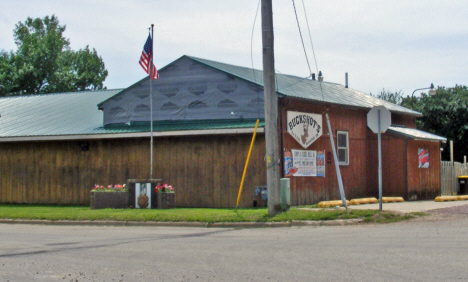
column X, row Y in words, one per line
column 247, row 163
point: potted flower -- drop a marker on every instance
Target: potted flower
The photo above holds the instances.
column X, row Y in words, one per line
column 109, row 188
column 164, row 188
column 110, row 196
column 165, row 196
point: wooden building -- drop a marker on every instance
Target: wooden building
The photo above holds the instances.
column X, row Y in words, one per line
column 54, row 148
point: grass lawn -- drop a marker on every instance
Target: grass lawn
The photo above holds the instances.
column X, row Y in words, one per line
column 210, row 215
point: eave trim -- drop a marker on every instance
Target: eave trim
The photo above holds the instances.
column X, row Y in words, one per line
column 131, row 135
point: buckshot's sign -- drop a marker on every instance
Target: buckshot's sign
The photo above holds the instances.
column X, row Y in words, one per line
column 304, row 127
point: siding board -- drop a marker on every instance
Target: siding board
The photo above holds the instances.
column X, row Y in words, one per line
column 205, row 171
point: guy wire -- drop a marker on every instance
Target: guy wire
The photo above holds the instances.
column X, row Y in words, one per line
column 302, row 40
column 251, row 41
column 303, row 46
column 313, row 50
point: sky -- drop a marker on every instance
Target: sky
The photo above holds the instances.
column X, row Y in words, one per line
column 396, row 45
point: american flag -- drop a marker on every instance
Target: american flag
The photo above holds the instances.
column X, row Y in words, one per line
column 146, row 59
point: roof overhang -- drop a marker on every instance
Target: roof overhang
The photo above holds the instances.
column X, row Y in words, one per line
column 416, row 134
column 131, row 135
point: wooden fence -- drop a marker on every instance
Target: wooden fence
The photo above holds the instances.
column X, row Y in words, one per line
column 448, row 177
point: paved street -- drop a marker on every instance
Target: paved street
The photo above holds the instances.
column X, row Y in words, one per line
column 426, row 249
column 411, row 206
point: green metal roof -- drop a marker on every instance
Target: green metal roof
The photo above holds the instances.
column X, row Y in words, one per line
column 293, row 86
column 76, row 113
column 52, row 114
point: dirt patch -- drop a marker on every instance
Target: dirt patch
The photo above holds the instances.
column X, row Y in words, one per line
column 452, row 210
column 445, row 214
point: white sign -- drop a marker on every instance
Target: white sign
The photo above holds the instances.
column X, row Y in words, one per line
column 304, row 163
column 304, row 127
column 143, row 195
column 373, row 119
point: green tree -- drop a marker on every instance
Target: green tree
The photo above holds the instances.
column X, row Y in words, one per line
column 44, row 62
column 445, row 114
column 6, row 72
column 392, row 97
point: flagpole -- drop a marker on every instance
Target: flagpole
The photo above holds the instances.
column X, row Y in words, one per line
column 151, row 101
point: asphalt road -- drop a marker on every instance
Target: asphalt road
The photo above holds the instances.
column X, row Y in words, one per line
column 426, row 249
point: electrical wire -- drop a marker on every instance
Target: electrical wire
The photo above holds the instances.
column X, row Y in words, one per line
column 313, row 50
column 302, row 40
column 340, row 182
column 303, row 46
column 310, row 37
column 251, row 41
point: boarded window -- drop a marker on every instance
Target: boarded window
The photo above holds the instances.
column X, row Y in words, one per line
column 197, row 105
column 142, row 95
column 169, row 107
column 227, row 104
column 197, row 90
column 227, row 88
column 169, row 92
column 342, row 147
column 142, row 109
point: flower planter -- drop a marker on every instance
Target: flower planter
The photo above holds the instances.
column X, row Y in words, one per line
column 165, row 200
column 105, row 200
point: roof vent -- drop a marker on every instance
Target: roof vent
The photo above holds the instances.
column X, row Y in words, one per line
column 320, row 77
column 313, row 76
column 346, row 80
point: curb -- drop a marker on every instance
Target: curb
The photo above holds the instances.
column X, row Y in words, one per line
column 294, row 223
column 338, row 222
column 250, row 224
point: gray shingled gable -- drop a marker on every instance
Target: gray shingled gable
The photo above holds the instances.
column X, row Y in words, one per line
column 314, row 90
column 186, row 90
column 192, row 88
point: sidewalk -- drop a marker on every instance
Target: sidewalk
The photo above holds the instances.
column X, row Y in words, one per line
column 410, row 206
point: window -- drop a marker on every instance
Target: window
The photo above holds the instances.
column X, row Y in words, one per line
column 342, row 147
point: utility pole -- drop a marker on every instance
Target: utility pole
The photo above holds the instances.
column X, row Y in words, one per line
column 272, row 157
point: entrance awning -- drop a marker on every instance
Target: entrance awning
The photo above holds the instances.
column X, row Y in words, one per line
column 416, row 134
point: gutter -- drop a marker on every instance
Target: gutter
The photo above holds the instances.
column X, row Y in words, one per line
column 131, row 135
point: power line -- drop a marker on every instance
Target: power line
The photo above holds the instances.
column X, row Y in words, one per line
column 251, row 41
column 302, row 40
column 310, row 37
column 303, row 46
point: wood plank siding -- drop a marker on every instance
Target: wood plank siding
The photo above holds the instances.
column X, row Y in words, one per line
column 423, row 183
column 401, row 176
column 309, row 190
column 205, row 170
column 394, row 165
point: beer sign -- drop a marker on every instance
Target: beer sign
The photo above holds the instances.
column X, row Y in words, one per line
column 304, row 127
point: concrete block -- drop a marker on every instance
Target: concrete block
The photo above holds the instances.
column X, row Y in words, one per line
column 392, row 199
column 361, row 201
column 446, row 198
column 327, row 204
